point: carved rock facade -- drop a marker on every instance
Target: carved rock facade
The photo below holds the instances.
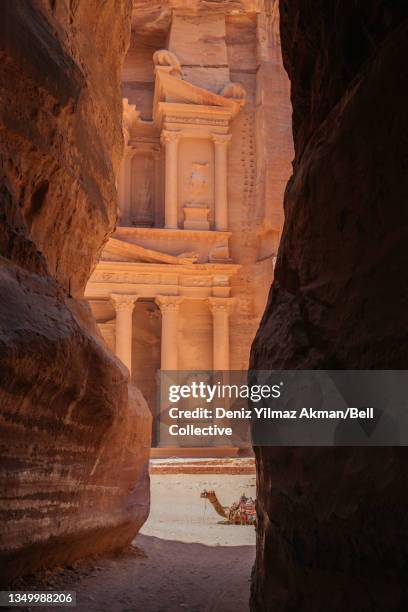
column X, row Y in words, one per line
column 209, row 146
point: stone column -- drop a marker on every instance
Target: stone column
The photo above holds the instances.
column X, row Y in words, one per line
column 221, row 180
column 125, row 187
column 169, row 306
column 157, row 188
column 220, row 309
column 124, row 305
column 171, row 140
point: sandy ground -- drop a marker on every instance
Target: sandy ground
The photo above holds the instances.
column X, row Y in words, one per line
column 183, row 559
column 178, row 513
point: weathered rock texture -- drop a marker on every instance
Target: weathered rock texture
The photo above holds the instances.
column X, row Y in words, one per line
column 73, row 444
column 333, row 525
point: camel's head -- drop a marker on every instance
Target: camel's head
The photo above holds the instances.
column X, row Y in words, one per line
column 206, row 494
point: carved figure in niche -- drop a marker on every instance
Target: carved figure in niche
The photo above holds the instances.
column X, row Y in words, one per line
column 142, row 212
column 163, row 57
column 233, row 90
column 198, row 181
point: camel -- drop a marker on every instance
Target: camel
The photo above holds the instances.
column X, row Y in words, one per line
column 242, row 512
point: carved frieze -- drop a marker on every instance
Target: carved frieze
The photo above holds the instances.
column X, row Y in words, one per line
column 133, row 278
column 196, row 281
column 197, row 121
column 220, row 281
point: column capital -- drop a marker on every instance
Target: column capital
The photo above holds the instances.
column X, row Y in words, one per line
column 221, row 139
column 169, row 136
column 169, row 303
column 218, row 304
column 122, row 301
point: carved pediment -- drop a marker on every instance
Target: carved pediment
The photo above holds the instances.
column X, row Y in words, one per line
column 173, row 89
column 130, row 251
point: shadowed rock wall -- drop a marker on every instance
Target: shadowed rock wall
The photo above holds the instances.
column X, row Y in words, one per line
column 333, row 526
column 74, row 442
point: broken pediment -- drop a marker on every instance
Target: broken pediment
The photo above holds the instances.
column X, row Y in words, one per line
column 130, row 251
column 174, row 95
column 172, row 89
column 136, row 128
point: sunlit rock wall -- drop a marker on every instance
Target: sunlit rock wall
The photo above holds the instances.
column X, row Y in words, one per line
column 333, row 526
column 74, row 442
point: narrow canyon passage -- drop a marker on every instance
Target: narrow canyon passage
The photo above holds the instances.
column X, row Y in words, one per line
column 170, row 576
column 152, row 221
column 183, row 558
column 142, row 179
column 140, row 218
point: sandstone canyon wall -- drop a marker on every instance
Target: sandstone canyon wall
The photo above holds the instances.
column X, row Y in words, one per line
column 74, row 442
column 333, row 527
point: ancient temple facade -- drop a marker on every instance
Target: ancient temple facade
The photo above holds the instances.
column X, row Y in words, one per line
column 183, row 281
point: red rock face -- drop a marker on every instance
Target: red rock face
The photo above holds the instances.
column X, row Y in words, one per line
column 74, row 443
column 333, row 525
